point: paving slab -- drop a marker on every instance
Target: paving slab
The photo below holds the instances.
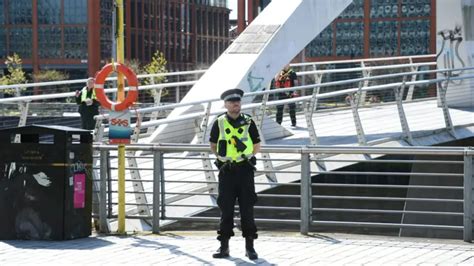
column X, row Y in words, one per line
column 274, row 248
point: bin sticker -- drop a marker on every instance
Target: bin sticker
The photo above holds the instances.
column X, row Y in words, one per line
column 79, row 190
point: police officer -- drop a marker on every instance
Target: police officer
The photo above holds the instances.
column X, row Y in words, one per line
column 235, row 140
column 88, row 104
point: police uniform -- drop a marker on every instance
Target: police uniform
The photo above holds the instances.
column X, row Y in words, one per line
column 88, row 107
column 234, row 139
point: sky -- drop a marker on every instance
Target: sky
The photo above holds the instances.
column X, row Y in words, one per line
column 233, row 6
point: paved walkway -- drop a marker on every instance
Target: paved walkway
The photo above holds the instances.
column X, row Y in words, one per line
column 195, row 248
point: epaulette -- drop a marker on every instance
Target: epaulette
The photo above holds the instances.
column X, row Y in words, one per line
column 247, row 117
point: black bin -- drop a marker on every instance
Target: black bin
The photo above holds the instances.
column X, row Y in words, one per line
column 45, row 183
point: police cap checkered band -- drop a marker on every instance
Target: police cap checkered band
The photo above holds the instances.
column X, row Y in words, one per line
column 232, row 95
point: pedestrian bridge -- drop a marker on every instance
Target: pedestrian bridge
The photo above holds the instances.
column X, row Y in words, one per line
column 364, row 154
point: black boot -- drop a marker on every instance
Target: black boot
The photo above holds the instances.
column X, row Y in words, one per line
column 223, row 251
column 249, row 250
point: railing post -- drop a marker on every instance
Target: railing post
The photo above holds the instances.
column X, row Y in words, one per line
column 365, row 73
column 266, row 159
column 411, row 89
column 468, row 190
column 157, row 167
column 137, row 183
column 310, row 108
column 201, row 130
column 23, row 108
column 156, row 93
column 444, row 105
column 305, row 194
column 401, row 112
column 162, row 186
column 103, row 226
column 355, row 100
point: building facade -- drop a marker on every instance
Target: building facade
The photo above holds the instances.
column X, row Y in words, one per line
column 368, row 28
column 76, row 35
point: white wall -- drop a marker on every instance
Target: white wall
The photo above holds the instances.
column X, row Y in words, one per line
column 449, row 14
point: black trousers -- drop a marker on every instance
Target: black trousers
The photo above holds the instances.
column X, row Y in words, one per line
column 87, row 116
column 236, row 182
column 279, row 114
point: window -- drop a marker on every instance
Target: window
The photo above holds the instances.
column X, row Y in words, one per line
column 20, row 12
column 75, row 11
column 49, row 12
column 21, row 42
column 49, row 41
column 75, row 42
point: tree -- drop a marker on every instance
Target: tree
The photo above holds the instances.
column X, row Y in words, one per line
column 157, row 65
column 15, row 74
column 52, row 75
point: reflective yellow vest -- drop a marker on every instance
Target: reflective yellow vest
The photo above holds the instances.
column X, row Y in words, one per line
column 84, row 95
column 226, row 131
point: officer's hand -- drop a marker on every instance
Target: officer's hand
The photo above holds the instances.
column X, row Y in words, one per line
column 253, row 160
column 78, row 93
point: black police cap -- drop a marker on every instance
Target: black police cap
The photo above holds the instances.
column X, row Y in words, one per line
column 232, row 95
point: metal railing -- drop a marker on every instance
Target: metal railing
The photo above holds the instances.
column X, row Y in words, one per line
column 341, row 195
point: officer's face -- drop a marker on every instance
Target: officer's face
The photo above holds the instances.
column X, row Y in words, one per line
column 232, row 107
column 90, row 83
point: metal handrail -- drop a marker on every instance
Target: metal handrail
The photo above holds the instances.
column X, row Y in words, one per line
column 305, row 197
column 82, row 81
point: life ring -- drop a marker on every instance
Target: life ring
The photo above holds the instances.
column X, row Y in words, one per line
column 132, row 94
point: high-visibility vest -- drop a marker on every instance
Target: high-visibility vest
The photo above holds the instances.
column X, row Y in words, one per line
column 84, row 95
column 226, row 132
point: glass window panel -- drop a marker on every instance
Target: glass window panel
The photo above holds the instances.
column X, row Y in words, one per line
column 3, row 43
column 20, row 11
column 383, row 38
column 350, row 39
column 418, row 8
column 384, row 8
column 75, row 42
column 49, row 12
column 21, row 42
column 468, row 17
column 106, row 12
column 106, row 42
column 2, row 12
column 75, row 11
column 354, row 10
column 415, row 37
column 49, row 42
column 321, row 45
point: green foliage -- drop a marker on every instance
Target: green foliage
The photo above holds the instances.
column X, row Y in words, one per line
column 134, row 64
column 50, row 75
column 157, row 65
column 53, row 75
column 15, row 74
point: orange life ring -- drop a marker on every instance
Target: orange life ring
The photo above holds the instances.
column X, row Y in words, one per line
column 132, row 94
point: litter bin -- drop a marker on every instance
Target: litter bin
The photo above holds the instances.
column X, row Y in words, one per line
column 45, row 183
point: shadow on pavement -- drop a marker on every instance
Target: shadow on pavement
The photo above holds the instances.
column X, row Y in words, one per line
column 76, row 244
column 140, row 242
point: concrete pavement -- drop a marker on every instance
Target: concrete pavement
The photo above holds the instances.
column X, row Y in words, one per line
column 195, row 248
